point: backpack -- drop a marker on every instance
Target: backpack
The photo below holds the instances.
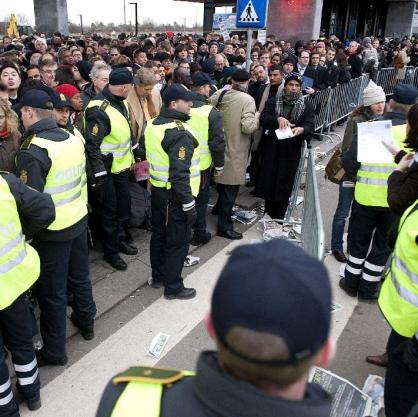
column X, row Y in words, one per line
column 334, row 169
column 140, row 206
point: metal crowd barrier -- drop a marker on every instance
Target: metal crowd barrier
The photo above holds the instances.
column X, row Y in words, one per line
column 313, row 235
column 296, row 184
column 335, row 104
column 319, row 101
column 389, row 78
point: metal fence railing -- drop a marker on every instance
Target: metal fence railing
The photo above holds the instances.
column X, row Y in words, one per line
column 319, row 101
column 296, row 184
column 344, row 98
column 335, row 104
column 389, row 78
column 313, row 235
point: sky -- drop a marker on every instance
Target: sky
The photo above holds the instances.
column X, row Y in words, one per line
column 160, row 11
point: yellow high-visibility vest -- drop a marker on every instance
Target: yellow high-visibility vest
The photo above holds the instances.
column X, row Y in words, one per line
column 19, row 262
column 199, row 122
column 142, row 395
column 372, row 179
column 159, row 160
column 66, row 181
column 118, row 141
column 398, row 298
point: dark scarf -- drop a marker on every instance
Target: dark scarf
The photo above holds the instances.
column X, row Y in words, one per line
column 290, row 99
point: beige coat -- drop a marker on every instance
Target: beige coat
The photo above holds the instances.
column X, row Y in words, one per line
column 239, row 121
column 136, row 113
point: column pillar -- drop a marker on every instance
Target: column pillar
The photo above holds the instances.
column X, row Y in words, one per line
column 399, row 18
column 208, row 12
column 51, row 16
column 295, row 19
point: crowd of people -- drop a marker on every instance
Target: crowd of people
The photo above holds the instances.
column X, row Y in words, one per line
column 104, row 134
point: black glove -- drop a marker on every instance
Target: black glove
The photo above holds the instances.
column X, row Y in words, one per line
column 99, row 188
column 191, row 216
column 410, row 354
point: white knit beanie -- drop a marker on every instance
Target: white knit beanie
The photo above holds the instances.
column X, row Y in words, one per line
column 373, row 94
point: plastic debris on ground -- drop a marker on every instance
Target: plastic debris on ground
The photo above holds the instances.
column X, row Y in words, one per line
column 374, row 387
column 274, row 229
column 319, row 167
column 244, row 216
column 191, row 260
column 299, row 200
column 158, row 344
column 347, row 399
column 336, row 307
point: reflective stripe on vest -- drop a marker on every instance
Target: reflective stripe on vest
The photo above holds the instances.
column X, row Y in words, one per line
column 398, row 297
column 118, row 141
column 371, row 185
column 19, row 262
column 159, row 160
column 199, row 122
column 66, row 181
column 140, row 399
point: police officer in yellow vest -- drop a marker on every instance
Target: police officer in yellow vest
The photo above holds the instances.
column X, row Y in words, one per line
column 110, row 148
column 265, row 348
column 24, row 212
column 371, row 218
column 53, row 161
column 398, row 301
column 206, row 122
column 173, row 154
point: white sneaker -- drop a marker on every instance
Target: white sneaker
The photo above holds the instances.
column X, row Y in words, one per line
column 191, row 260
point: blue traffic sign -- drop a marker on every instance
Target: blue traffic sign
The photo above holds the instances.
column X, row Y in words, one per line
column 252, row 13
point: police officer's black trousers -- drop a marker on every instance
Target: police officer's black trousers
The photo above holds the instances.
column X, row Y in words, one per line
column 367, row 234
column 401, row 385
column 170, row 240
column 116, row 211
column 226, row 201
column 63, row 264
column 16, row 336
column 202, row 201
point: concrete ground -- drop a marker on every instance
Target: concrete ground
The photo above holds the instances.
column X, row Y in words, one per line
column 130, row 314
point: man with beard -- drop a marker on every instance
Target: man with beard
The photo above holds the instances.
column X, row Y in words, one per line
column 279, row 159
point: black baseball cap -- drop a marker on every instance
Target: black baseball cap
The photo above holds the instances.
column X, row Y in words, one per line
column 200, row 78
column 278, row 289
column 240, row 76
column 60, row 100
column 121, row 76
column 405, row 94
column 176, row 92
column 37, row 99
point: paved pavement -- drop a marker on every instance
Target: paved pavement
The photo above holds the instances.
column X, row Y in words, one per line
column 130, row 314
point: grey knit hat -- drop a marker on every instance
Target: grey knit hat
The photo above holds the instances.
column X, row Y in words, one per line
column 373, row 94
column 366, row 41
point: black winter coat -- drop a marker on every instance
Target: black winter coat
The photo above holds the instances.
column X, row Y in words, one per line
column 279, row 159
column 402, row 188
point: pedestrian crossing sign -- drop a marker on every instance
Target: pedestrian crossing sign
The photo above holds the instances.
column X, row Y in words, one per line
column 251, row 13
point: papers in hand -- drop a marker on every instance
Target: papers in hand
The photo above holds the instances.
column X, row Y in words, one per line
column 370, row 137
column 284, row 133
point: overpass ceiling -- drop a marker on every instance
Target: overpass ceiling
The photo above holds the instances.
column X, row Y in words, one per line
column 214, row 2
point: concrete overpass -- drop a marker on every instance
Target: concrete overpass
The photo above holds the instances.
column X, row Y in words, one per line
column 294, row 19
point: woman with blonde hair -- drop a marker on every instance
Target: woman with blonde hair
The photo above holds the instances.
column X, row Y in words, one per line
column 144, row 101
column 9, row 136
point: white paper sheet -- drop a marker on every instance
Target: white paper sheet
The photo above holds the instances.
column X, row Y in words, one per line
column 370, row 147
column 284, row 133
